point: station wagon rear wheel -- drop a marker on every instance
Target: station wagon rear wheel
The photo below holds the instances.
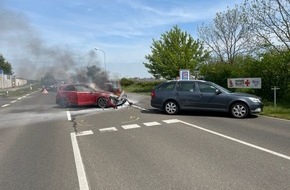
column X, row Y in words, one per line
column 171, row 107
column 102, row 102
column 239, row 110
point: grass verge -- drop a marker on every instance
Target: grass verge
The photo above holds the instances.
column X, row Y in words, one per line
column 277, row 112
column 19, row 91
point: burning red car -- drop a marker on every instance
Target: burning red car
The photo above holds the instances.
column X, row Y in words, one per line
column 82, row 94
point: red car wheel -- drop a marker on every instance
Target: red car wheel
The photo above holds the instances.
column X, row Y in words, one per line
column 102, row 102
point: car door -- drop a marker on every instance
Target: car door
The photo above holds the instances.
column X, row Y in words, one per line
column 161, row 93
column 85, row 95
column 187, row 94
column 211, row 97
column 70, row 94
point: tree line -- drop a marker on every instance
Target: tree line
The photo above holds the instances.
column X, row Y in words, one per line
column 249, row 40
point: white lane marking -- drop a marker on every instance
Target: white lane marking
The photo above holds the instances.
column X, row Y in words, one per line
column 83, row 182
column 13, row 101
column 152, row 123
column 5, row 105
column 19, row 98
column 83, row 133
column 171, row 121
column 239, row 141
column 133, row 126
column 68, row 115
column 108, row 129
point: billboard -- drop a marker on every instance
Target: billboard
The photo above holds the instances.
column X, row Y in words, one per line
column 245, row 83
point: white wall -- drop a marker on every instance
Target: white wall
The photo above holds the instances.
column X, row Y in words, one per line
column 8, row 81
column 20, row 82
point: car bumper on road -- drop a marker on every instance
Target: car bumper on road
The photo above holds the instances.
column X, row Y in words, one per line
column 256, row 108
column 155, row 105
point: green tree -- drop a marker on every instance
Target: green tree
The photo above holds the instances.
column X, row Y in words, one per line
column 5, row 66
column 174, row 51
column 273, row 68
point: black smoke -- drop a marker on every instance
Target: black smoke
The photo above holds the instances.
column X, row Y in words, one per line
column 31, row 57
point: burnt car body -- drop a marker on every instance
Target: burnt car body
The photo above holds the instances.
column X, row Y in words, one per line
column 49, row 87
column 113, row 86
column 172, row 96
column 83, row 95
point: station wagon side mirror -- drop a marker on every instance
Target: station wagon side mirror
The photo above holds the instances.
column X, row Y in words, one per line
column 217, row 91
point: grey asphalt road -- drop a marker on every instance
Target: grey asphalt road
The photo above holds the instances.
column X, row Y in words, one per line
column 146, row 149
column 138, row 147
column 35, row 146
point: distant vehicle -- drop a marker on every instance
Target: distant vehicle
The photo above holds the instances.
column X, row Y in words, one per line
column 49, row 83
column 49, row 87
column 82, row 95
column 173, row 96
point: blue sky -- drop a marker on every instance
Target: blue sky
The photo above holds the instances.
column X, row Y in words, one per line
column 123, row 29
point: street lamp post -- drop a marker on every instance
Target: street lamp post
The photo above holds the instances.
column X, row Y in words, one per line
column 104, row 59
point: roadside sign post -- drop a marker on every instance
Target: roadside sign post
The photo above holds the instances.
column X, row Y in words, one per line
column 184, row 74
column 275, row 88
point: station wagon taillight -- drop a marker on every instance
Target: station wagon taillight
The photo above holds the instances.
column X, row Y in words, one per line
column 152, row 93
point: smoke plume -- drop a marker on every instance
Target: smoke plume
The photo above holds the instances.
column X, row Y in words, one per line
column 31, row 57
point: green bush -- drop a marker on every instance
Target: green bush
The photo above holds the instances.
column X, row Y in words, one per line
column 217, row 73
column 143, row 86
column 272, row 68
column 126, row 82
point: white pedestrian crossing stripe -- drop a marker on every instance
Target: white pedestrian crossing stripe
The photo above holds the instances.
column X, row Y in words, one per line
column 132, row 126
column 108, row 129
column 83, row 133
column 152, row 124
column 171, row 121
